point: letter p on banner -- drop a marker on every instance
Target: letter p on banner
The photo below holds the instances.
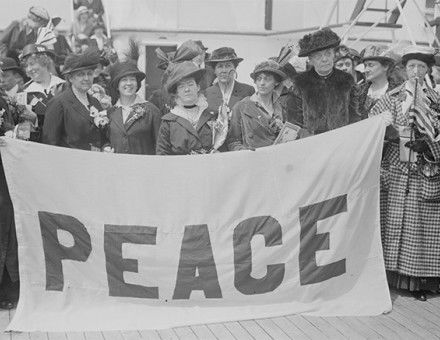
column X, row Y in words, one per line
column 55, row 252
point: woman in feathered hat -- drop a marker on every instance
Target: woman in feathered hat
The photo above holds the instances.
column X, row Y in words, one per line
column 188, row 127
column 379, row 63
column 74, row 118
column 188, row 51
column 410, row 177
column 134, row 122
column 257, row 120
column 324, row 97
column 38, row 63
column 226, row 91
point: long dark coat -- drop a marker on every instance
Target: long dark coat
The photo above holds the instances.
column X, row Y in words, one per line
column 8, row 238
column 136, row 136
column 178, row 137
column 68, row 123
column 324, row 103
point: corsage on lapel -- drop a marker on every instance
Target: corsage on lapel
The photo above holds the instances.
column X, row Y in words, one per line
column 137, row 112
column 2, row 112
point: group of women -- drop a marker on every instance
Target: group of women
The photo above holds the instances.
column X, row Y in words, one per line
column 228, row 115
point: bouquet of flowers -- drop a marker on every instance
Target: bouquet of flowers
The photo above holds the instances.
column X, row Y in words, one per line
column 219, row 127
column 2, row 112
column 100, row 118
column 98, row 92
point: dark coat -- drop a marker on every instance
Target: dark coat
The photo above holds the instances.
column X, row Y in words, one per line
column 214, row 96
column 178, row 137
column 68, row 123
column 324, row 103
column 136, row 136
column 8, row 238
column 250, row 126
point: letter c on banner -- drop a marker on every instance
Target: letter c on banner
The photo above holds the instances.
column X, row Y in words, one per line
column 311, row 241
column 54, row 252
column 270, row 228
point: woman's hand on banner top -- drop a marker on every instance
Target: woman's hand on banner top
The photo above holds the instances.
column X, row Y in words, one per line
column 388, row 117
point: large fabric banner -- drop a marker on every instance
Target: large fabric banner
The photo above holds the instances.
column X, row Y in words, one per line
column 119, row 242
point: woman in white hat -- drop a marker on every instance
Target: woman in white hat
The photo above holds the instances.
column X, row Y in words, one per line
column 378, row 64
column 410, row 181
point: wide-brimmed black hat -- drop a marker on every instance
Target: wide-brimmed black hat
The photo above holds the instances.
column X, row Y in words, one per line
column 33, row 49
column 223, row 54
column 269, row 66
column 317, row 41
column 9, row 64
column 81, row 61
column 122, row 69
column 422, row 53
column 179, row 71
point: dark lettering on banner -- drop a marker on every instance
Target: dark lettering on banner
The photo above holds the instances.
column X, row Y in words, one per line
column 54, row 252
column 311, row 241
column 196, row 254
column 270, row 228
column 114, row 237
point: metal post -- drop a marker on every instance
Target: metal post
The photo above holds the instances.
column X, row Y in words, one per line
column 428, row 26
column 330, row 15
column 268, row 15
column 355, row 20
column 405, row 20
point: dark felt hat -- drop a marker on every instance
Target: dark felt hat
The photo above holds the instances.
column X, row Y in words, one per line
column 179, row 71
column 32, row 49
column 9, row 64
column 185, row 52
column 122, row 69
column 269, row 66
column 422, row 53
column 223, row 54
column 81, row 61
column 317, row 41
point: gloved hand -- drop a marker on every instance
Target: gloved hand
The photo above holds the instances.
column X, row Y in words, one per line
column 419, row 146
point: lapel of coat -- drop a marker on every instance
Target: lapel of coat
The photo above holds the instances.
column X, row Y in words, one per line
column 255, row 113
column 187, row 125
column 78, row 107
column 206, row 116
column 116, row 117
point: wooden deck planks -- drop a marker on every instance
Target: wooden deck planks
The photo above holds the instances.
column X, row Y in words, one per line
column 203, row 332
column 272, row 329
column 410, row 319
column 255, row 330
column 220, row 331
column 238, row 331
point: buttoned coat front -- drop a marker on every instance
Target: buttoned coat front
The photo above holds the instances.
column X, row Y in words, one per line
column 68, row 123
column 178, row 137
column 135, row 136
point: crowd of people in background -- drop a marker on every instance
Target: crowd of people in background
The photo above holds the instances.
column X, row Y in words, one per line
column 78, row 93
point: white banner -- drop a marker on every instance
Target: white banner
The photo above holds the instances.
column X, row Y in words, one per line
column 120, row 242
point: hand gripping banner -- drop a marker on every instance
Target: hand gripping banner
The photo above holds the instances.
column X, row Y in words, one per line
column 120, row 242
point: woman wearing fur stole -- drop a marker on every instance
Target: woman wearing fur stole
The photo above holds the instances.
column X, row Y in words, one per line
column 324, row 97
